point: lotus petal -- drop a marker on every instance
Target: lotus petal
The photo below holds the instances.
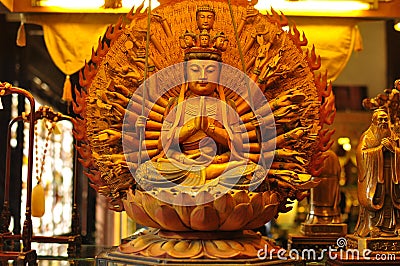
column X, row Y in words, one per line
column 267, row 214
column 128, row 209
column 241, row 197
column 184, row 205
column 126, row 248
column 138, row 244
column 186, row 249
column 224, row 206
column 168, row 218
column 221, row 244
column 141, row 217
column 249, row 250
column 130, row 196
column 150, row 205
column 238, row 218
column 184, row 214
column 273, row 199
column 266, row 197
column 204, row 218
column 219, row 252
column 184, row 199
column 165, row 197
column 182, row 245
column 256, row 201
column 204, row 197
column 138, row 196
column 235, row 245
column 169, row 244
column 156, row 250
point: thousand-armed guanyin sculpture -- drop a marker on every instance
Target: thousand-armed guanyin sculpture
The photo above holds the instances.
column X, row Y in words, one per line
column 203, row 120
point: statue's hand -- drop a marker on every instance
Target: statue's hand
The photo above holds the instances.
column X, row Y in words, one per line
column 157, row 17
column 140, row 122
column 251, row 12
column 286, row 153
column 206, row 123
column 389, row 144
column 256, row 121
column 182, row 158
column 197, row 122
column 296, row 133
column 108, row 136
column 283, row 100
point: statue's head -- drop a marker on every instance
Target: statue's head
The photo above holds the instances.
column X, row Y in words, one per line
column 204, row 39
column 205, row 17
column 190, row 38
column 203, row 59
column 202, row 76
column 380, row 120
column 397, row 84
column 202, row 69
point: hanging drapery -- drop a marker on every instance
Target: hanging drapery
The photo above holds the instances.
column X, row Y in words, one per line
column 334, row 39
column 70, row 38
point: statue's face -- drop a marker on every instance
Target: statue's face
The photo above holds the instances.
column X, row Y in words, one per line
column 204, row 41
column 189, row 40
column 203, row 76
column 382, row 120
column 205, row 20
column 219, row 41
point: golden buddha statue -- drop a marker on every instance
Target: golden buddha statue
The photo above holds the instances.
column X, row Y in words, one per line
column 204, row 140
column 201, row 137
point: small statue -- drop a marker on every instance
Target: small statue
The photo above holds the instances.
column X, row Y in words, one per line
column 204, row 39
column 220, row 41
column 112, row 4
column 205, row 17
column 378, row 179
column 325, row 197
column 188, row 39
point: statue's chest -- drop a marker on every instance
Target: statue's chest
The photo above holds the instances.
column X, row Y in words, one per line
column 193, row 110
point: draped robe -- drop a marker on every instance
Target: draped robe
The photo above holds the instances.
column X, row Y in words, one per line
column 378, row 186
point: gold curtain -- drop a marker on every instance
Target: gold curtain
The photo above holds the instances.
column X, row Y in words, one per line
column 69, row 38
column 334, row 39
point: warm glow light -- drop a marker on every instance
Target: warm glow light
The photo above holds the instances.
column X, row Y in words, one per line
column 131, row 3
column 347, row 146
column 84, row 4
column 397, row 25
column 72, row 3
column 313, row 5
column 343, row 140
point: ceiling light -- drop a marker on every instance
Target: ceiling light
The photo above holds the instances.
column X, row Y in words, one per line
column 343, row 140
column 397, row 25
column 90, row 4
column 347, row 146
column 302, row 7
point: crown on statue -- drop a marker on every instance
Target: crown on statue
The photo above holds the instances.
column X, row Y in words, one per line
column 203, row 45
column 205, row 8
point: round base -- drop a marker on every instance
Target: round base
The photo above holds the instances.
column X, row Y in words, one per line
column 191, row 245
